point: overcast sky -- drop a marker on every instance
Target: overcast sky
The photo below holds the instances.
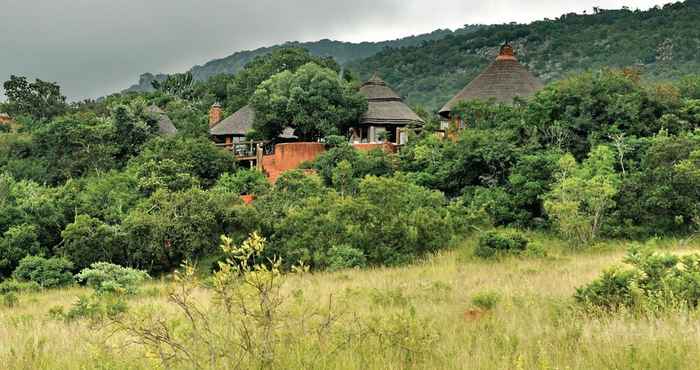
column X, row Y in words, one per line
column 95, row 47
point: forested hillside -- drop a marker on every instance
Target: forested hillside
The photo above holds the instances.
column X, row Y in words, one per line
column 342, row 52
column 663, row 42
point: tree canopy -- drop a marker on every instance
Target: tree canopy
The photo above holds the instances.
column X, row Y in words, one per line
column 40, row 100
column 314, row 101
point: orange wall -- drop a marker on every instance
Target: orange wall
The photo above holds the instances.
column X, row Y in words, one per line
column 289, row 156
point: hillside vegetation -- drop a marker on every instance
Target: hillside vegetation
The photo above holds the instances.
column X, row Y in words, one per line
column 664, row 43
column 342, row 52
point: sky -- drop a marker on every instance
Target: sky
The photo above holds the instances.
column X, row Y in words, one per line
column 96, row 47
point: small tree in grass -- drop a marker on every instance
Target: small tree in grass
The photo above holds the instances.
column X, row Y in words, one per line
column 583, row 194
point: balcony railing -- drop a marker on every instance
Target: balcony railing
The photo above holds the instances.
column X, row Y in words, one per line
column 248, row 150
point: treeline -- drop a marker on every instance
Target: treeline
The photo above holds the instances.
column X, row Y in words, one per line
column 597, row 155
column 662, row 41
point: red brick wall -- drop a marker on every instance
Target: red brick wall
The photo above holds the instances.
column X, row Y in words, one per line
column 289, row 156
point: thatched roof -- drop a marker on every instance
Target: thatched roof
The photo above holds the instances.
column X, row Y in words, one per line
column 385, row 106
column 165, row 125
column 501, row 82
column 237, row 124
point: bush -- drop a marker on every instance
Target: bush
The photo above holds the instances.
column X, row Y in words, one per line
column 47, row 272
column 654, row 281
column 390, row 220
column 110, row 278
column 170, row 227
column 17, row 242
column 612, row 290
column 486, row 300
column 344, row 257
column 89, row 240
column 14, row 286
column 243, row 182
column 498, row 243
column 94, row 308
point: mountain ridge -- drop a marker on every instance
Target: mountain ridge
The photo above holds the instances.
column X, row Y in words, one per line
column 342, row 51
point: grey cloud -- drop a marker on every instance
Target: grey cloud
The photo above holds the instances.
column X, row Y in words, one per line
column 94, row 47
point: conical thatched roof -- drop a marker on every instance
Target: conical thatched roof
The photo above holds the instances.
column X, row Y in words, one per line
column 501, row 82
column 385, row 106
column 165, row 125
column 241, row 122
column 238, row 123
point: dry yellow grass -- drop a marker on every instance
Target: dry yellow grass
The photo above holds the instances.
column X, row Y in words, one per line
column 535, row 325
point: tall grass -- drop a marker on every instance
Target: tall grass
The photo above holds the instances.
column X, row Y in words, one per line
column 419, row 316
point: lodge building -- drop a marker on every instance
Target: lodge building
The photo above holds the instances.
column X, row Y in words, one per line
column 385, row 124
column 387, row 118
column 501, row 82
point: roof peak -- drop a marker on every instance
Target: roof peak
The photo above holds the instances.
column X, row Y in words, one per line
column 375, row 80
column 507, row 52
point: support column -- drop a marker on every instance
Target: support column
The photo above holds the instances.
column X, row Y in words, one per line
column 259, row 156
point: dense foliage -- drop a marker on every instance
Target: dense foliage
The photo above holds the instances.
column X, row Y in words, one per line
column 500, row 243
column 313, row 100
column 653, row 281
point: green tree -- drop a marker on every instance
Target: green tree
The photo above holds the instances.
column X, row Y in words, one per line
column 583, row 194
column 313, row 100
column 107, row 196
column 47, row 272
column 179, row 84
column 131, row 131
column 76, row 145
column 660, row 194
column 39, row 99
column 243, row 182
column 197, row 156
column 260, row 69
column 88, row 240
column 18, row 242
column 170, row 227
column 166, row 174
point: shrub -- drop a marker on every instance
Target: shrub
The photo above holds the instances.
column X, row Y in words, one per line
column 583, row 195
column 612, row 290
column 14, row 286
column 168, row 228
column 47, row 272
column 17, row 242
column 89, row 240
column 344, row 257
column 654, row 281
column 243, row 182
column 110, row 278
column 486, row 300
column 498, row 243
column 94, row 308
column 390, row 220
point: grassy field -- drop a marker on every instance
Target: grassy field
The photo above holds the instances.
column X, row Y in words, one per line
column 418, row 316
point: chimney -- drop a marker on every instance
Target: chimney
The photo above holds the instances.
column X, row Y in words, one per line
column 214, row 115
column 507, row 52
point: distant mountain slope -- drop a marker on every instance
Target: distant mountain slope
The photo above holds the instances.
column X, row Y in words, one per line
column 663, row 42
column 343, row 52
